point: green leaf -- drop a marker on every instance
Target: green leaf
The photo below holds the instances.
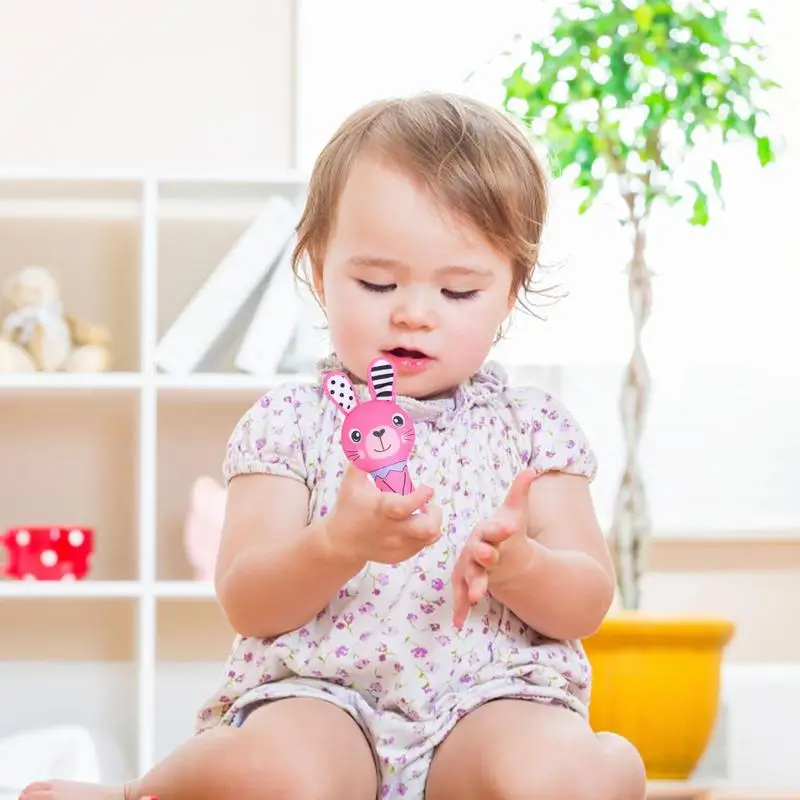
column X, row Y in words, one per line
column 755, row 14
column 605, row 81
column 765, row 151
column 716, row 178
column 643, row 15
column 700, row 209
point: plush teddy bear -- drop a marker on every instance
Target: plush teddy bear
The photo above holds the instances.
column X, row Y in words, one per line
column 14, row 358
column 91, row 346
column 39, row 336
column 37, row 323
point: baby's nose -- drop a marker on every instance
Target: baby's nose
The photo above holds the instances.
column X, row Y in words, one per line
column 379, row 432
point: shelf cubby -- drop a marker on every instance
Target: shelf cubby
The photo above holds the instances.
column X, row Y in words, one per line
column 79, row 657
column 71, row 459
column 118, row 452
column 87, row 233
column 182, row 457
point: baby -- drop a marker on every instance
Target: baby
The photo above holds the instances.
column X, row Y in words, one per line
column 422, row 644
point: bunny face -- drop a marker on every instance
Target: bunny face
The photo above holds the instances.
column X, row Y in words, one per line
column 377, row 432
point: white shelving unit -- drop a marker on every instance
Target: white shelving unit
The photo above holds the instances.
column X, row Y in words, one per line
column 119, row 451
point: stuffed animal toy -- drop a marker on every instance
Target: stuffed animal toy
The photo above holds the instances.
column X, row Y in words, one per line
column 203, row 526
column 39, row 336
column 37, row 323
column 377, row 435
column 14, row 358
column 91, row 346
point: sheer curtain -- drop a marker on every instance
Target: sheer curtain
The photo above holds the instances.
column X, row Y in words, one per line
column 723, row 446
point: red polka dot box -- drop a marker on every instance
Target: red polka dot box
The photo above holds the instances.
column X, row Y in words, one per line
column 47, row 553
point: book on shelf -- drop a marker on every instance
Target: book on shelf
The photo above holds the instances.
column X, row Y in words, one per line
column 273, row 323
column 235, row 279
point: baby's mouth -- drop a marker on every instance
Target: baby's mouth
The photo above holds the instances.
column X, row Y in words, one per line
column 402, row 352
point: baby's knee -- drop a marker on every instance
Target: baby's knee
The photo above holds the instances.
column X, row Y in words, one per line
column 624, row 767
column 603, row 767
column 281, row 775
column 287, row 781
column 301, row 749
column 559, row 776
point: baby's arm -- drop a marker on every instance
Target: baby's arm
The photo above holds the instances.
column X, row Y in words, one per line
column 562, row 583
column 274, row 571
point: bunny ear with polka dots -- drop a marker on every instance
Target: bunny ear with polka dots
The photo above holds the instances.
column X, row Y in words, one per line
column 340, row 390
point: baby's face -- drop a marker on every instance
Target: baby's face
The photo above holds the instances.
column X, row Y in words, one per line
column 404, row 279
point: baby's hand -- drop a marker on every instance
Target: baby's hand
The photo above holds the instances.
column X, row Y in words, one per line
column 487, row 542
column 369, row 525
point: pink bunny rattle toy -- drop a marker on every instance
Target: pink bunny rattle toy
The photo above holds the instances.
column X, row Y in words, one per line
column 377, row 435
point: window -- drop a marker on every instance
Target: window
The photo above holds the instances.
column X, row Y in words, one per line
column 723, row 440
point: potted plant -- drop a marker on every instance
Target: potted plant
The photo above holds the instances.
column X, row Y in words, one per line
column 621, row 91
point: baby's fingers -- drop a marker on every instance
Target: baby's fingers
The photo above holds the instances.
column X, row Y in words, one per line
column 477, row 586
column 427, row 526
column 485, row 554
column 470, row 584
column 494, row 531
column 398, row 506
column 461, row 604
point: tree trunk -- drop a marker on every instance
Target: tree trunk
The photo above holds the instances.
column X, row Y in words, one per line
column 630, row 527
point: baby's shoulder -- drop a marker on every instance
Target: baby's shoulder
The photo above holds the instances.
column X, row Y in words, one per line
column 271, row 435
column 530, row 398
column 527, row 407
column 300, row 402
column 558, row 441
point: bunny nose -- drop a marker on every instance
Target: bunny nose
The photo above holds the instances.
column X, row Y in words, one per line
column 379, row 432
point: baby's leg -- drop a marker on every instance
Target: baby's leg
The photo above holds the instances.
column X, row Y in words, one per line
column 521, row 748
column 302, row 748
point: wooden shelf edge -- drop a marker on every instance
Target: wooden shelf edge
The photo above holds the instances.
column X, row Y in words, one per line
column 122, row 175
column 78, row 590
column 58, row 381
column 676, row 790
column 112, row 590
column 168, row 384
column 714, row 790
column 184, row 590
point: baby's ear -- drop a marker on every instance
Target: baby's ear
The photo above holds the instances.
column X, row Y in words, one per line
column 381, row 379
column 340, row 390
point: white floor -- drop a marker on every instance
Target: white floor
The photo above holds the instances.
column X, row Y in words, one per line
column 755, row 743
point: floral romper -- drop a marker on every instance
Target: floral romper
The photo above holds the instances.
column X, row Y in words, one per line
column 384, row 649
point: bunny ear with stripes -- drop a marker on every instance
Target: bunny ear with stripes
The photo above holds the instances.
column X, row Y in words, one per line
column 381, row 380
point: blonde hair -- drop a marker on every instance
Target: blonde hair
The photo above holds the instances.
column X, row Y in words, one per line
column 471, row 157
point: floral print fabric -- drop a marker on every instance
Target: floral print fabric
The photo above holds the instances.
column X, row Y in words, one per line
column 384, row 648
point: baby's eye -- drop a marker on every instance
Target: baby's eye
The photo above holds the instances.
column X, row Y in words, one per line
column 355, row 436
column 398, row 420
column 453, row 295
column 377, row 287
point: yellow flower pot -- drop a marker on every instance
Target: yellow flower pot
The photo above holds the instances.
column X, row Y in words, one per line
column 656, row 682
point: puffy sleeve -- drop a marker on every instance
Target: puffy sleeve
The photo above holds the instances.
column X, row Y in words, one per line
column 267, row 438
column 558, row 443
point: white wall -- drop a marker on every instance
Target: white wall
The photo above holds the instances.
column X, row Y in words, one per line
column 171, row 85
column 722, row 439
column 720, row 452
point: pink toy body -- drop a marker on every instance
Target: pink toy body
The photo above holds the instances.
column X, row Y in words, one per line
column 377, row 435
column 202, row 528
